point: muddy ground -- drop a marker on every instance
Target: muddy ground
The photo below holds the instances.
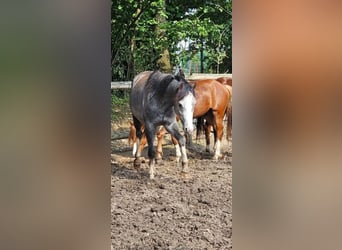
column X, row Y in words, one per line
column 170, row 212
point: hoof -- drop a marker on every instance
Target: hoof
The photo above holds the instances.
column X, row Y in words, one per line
column 159, row 161
column 137, row 163
column 185, row 168
column 185, row 164
column 217, row 157
column 184, row 175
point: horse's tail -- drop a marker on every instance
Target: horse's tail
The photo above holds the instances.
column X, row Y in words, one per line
column 199, row 126
column 229, row 114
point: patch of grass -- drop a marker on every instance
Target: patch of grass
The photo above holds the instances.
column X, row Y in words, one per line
column 120, row 105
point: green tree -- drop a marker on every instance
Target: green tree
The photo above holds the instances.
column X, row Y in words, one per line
column 146, row 34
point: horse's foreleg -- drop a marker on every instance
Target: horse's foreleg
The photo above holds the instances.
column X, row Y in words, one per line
column 160, row 136
column 177, row 148
column 174, row 131
column 207, row 129
column 150, row 132
column 141, row 143
column 218, row 133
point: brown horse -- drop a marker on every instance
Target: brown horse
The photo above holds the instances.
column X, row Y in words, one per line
column 227, row 82
column 132, row 139
column 212, row 101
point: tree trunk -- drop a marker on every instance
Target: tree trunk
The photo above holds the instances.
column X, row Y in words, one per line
column 164, row 62
column 131, row 62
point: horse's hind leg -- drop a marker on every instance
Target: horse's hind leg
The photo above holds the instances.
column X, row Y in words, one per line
column 132, row 137
column 160, row 135
column 150, row 131
column 140, row 142
column 207, row 129
column 209, row 123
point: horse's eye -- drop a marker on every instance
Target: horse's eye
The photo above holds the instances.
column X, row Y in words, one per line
column 180, row 105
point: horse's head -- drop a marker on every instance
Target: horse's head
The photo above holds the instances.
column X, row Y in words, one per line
column 185, row 104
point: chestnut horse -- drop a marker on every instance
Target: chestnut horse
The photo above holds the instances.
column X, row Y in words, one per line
column 225, row 81
column 212, row 101
column 228, row 83
column 132, row 139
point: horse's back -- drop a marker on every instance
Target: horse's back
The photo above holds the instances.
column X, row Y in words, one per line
column 141, row 78
column 222, row 96
column 203, row 93
column 225, row 81
column 210, row 94
column 152, row 90
column 137, row 92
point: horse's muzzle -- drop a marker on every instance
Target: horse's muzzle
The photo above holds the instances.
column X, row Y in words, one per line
column 188, row 130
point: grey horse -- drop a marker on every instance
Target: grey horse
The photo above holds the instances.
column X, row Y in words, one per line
column 156, row 99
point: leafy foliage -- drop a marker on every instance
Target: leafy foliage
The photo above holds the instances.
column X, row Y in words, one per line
column 146, row 35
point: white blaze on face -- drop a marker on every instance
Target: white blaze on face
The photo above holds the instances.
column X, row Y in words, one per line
column 186, row 111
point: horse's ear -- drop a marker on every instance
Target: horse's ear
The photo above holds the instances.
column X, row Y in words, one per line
column 179, row 73
column 180, row 86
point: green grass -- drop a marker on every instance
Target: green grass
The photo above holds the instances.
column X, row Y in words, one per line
column 120, row 105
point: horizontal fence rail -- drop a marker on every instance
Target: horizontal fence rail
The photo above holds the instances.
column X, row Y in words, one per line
column 199, row 76
column 128, row 84
column 121, row 85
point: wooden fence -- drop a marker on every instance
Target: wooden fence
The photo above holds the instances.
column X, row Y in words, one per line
column 127, row 84
column 121, row 85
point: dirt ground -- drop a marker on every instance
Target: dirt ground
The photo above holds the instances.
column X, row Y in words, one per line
column 169, row 212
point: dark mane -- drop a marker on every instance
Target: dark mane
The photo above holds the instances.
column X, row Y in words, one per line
column 185, row 88
column 158, row 83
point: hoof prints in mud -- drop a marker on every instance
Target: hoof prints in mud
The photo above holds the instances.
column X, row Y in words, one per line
column 171, row 213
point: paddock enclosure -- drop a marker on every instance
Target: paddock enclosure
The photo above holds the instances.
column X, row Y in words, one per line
column 169, row 212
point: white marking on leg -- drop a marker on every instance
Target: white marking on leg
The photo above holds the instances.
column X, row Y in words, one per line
column 134, row 148
column 217, row 149
column 138, row 152
column 178, row 152
column 184, row 156
column 184, row 160
column 207, row 148
column 151, row 169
